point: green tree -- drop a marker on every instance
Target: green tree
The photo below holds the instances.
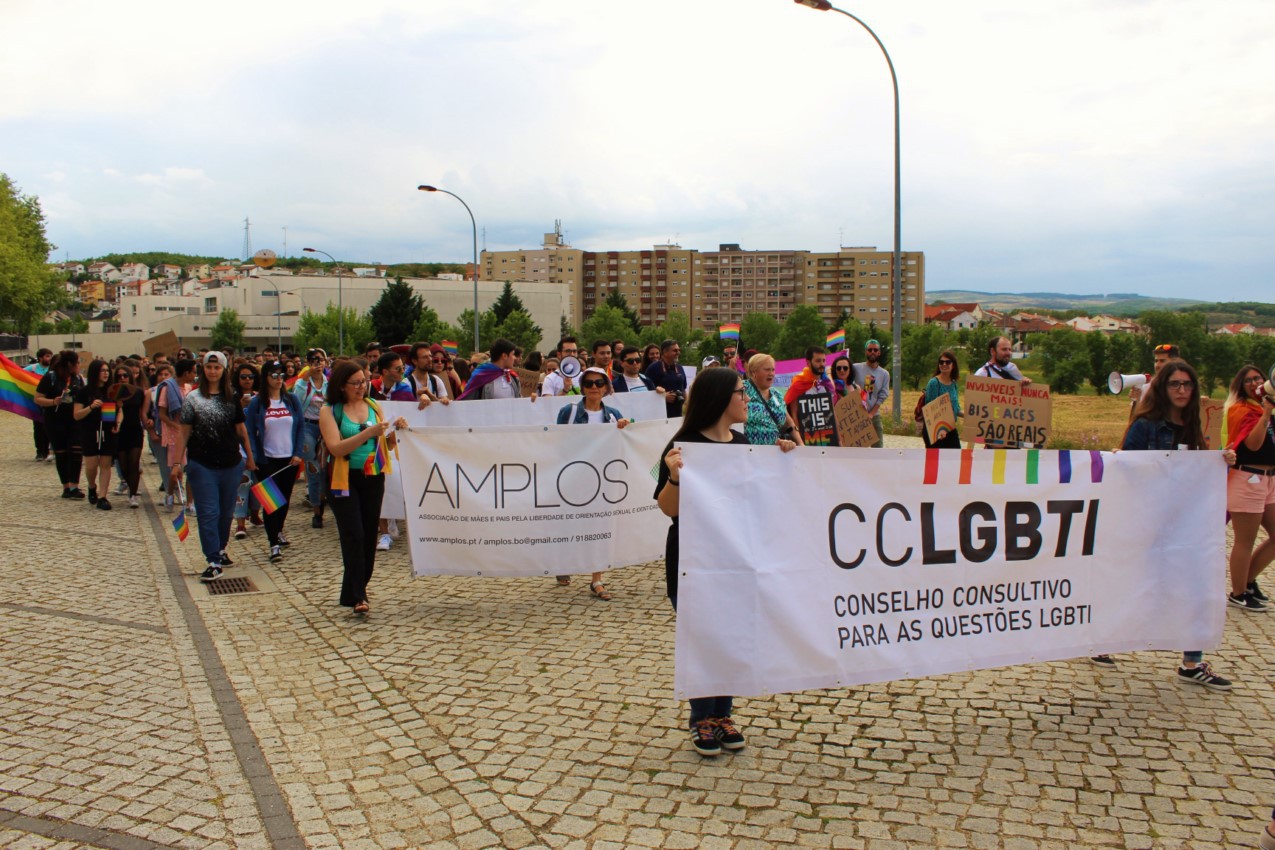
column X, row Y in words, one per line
column 462, row 332
column 228, row 331
column 519, row 329
column 616, row 299
column 429, row 327
column 921, row 347
column 29, row 289
column 507, row 303
column 759, row 331
column 1217, row 360
column 1124, row 354
column 322, row 330
column 803, row 328
column 1064, row 358
column 977, row 339
column 1185, row 330
column 564, row 327
column 610, row 323
column 395, row 314
column 1099, row 359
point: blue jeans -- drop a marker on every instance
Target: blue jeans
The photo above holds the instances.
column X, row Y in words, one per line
column 214, row 493
column 313, row 477
column 244, row 500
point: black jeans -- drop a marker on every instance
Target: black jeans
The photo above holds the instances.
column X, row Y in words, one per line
column 41, row 437
column 357, row 516
column 285, row 480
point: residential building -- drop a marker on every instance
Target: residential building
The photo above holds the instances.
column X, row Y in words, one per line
column 730, row 283
column 554, row 262
column 134, row 271
column 168, row 271
column 654, row 283
column 1236, row 328
column 859, row 281
column 103, row 271
column 72, row 268
column 950, row 317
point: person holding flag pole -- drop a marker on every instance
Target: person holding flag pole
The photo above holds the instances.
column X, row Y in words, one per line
column 276, row 433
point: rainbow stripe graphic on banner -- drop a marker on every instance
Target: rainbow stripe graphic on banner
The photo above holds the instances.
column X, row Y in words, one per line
column 269, row 495
column 109, row 411
column 17, row 390
column 450, row 347
column 729, row 331
column 837, row 338
column 181, row 526
column 943, row 458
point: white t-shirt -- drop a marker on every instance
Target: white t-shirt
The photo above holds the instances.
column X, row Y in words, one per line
column 595, row 416
column 635, row 384
column 553, row 384
column 278, row 437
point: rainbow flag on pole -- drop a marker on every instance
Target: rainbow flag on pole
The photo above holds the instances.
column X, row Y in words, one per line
column 268, row 494
column 837, row 338
column 17, row 390
column 377, row 462
column 450, row 347
column 729, row 331
column 109, row 411
column 181, row 526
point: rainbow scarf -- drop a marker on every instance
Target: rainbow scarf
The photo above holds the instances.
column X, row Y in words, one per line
column 803, row 381
column 340, row 484
column 17, row 390
column 481, row 377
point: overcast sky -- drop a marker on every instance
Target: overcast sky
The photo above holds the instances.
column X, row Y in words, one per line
column 1089, row 147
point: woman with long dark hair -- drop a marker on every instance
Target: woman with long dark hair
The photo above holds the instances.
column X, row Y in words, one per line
column 650, row 354
column 132, row 396
column 1168, row 419
column 55, row 395
column 98, row 416
column 246, row 384
column 1250, row 485
column 842, row 371
column 716, row 402
column 275, row 430
column 947, row 377
column 355, row 433
column 210, row 433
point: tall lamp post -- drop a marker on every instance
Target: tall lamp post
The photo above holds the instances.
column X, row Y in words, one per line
column 896, row 325
column 340, row 309
column 474, row 225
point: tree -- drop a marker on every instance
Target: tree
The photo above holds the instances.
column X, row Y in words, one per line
column 29, row 289
column 804, row 328
column 1185, row 330
column 922, row 345
column 228, row 331
column 759, row 331
column 507, row 303
column 395, row 314
column 1217, row 360
column 322, row 330
column 429, row 327
column 1064, row 358
column 1123, row 354
column 609, row 323
column 564, row 328
column 1096, row 349
column 616, row 299
column 519, row 329
column 976, row 341
column 463, row 331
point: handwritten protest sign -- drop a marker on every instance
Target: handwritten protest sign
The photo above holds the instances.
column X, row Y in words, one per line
column 1006, row 413
column 814, row 417
column 854, row 425
column 165, row 343
column 1211, row 415
column 528, row 381
column 940, row 418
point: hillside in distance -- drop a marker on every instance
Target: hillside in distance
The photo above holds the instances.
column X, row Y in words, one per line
column 1115, row 303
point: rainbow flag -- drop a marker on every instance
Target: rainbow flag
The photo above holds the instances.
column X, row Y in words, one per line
column 109, row 411
column 289, row 383
column 729, row 331
column 450, row 347
column 181, row 526
column 17, row 390
column 377, row 462
column 269, row 495
column 837, row 337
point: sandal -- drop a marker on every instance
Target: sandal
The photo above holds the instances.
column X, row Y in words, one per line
column 362, row 607
column 599, row 590
column 563, row 581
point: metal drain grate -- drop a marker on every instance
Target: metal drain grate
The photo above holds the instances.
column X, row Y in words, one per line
column 224, row 586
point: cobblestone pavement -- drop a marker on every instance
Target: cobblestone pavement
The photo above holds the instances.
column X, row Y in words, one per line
column 136, row 711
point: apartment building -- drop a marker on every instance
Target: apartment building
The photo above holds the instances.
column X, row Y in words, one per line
column 654, row 283
column 555, row 262
column 859, row 281
column 730, row 283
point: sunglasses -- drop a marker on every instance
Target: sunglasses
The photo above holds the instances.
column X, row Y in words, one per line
column 596, row 383
column 275, row 375
column 633, row 360
column 246, row 376
column 946, row 362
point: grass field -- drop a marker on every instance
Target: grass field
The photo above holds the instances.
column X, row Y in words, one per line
column 1079, row 421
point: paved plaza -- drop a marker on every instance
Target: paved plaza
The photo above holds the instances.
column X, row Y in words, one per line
column 139, row 712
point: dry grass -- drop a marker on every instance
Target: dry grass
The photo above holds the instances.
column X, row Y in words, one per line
column 1080, row 421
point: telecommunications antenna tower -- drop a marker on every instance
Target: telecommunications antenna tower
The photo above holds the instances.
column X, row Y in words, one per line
column 247, row 239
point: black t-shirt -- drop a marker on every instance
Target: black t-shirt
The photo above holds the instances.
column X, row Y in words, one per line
column 213, row 442
column 673, row 380
column 63, row 415
column 93, row 420
column 670, row 544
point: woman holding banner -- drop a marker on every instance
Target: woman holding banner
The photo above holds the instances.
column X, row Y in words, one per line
column 357, row 439
column 717, row 402
column 947, row 376
column 1250, row 485
column 594, row 383
column 768, row 419
column 1168, row 418
column 276, row 433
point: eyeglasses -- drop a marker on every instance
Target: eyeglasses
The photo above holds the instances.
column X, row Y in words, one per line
column 874, row 351
column 1181, row 385
column 357, row 383
column 594, row 384
column 741, row 392
column 1252, row 379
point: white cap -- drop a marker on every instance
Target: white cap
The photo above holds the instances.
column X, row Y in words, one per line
column 218, row 356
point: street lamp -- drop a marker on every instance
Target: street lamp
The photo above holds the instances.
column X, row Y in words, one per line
column 896, row 326
column 340, row 310
column 473, row 224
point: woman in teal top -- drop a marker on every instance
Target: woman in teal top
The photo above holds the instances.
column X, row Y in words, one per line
column 947, row 376
column 352, row 428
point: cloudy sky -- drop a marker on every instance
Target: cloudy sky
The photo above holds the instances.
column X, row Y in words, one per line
column 1089, row 147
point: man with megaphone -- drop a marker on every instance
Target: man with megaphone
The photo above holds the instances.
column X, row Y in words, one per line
column 561, row 381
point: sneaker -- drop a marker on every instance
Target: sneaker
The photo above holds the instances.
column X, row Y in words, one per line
column 317, row 522
column 241, row 533
column 212, row 573
column 133, row 503
column 73, row 493
column 168, row 503
column 1103, row 661
column 190, row 510
column 383, row 543
column 1202, row 674
column 305, row 502
column 704, row 740
column 284, row 542
column 391, row 525
column 224, row 559
column 92, row 496
column 1246, row 600
column 49, row 459
column 255, row 518
column 727, row 734
column 39, row 458
column 121, row 488
column 276, row 554
column 103, row 504
column 1256, row 592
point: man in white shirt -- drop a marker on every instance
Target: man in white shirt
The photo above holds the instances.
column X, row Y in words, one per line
column 555, row 383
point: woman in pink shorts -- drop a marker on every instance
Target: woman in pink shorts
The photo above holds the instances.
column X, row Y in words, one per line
column 1250, row 485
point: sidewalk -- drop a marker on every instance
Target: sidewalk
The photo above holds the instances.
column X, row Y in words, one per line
column 139, row 712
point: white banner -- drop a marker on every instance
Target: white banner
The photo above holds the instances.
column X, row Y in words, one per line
column 824, row 568
column 533, row 501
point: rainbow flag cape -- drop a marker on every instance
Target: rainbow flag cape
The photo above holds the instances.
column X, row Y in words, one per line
column 729, row 331
column 450, row 347
column 837, row 338
column 268, row 494
column 181, row 526
column 109, row 411
column 17, row 390
column 289, row 383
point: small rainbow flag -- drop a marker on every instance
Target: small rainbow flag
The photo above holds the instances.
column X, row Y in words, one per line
column 181, row 526
column 292, row 382
column 836, row 338
column 17, row 390
column 377, row 462
column 109, row 411
column 450, row 347
column 269, row 495
column 729, row 331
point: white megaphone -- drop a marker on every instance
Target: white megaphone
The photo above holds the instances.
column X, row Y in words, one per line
column 1118, row 383
column 570, row 367
column 1269, row 386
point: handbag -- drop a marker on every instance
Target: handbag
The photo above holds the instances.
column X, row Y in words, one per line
column 917, row 414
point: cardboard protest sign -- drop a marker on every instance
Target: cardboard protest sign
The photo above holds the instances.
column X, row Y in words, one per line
column 528, row 380
column 854, row 425
column 1211, row 416
column 1005, row 413
column 940, row 418
column 165, row 343
column 815, row 419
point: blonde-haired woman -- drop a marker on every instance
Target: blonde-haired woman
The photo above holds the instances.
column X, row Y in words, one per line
column 768, row 419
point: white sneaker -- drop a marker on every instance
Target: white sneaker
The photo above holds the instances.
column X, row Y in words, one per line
column 391, row 525
column 168, row 503
column 121, row 488
column 383, row 543
column 133, row 503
